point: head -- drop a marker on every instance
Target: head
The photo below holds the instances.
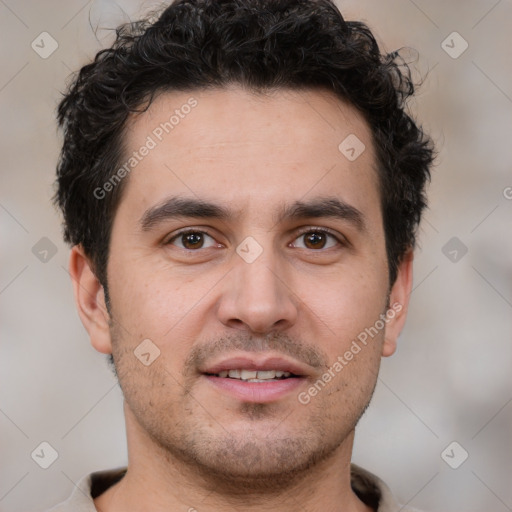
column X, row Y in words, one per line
column 243, row 176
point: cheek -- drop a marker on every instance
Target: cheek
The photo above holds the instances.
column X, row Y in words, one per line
column 346, row 304
column 352, row 310
column 162, row 305
column 153, row 301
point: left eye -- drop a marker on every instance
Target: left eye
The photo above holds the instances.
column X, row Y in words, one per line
column 192, row 240
column 316, row 239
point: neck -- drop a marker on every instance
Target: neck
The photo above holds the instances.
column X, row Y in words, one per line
column 157, row 480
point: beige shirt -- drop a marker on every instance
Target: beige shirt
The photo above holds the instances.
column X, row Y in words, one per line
column 370, row 489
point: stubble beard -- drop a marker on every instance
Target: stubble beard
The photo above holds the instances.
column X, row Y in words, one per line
column 233, row 462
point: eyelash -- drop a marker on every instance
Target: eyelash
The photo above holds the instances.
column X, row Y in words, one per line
column 302, row 232
column 325, row 231
column 187, row 232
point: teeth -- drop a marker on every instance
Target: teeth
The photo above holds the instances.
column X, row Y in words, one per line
column 247, row 374
column 253, row 375
column 265, row 374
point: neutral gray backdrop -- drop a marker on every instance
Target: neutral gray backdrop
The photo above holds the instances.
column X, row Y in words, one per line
column 451, row 377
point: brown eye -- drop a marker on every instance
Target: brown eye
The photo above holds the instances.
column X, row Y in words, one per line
column 316, row 239
column 192, row 240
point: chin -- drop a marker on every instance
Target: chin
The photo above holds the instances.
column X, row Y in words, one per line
column 253, row 458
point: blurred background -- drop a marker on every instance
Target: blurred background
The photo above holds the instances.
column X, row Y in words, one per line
column 439, row 430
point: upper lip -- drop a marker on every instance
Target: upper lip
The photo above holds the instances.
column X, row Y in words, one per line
column 245, row 362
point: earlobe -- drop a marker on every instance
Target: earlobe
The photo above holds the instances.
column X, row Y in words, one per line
column 398, row 304
column 90, row 300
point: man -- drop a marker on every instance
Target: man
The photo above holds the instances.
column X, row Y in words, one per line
column 241, row 188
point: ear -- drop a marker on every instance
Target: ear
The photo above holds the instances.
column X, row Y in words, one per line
column 90, row 300
column 398, row 304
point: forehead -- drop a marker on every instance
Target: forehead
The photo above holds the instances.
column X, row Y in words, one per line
column 245, row 148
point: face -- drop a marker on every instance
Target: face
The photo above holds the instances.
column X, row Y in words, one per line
column 247, row 240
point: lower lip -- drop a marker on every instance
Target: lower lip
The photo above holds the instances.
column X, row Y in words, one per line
column 258, row 392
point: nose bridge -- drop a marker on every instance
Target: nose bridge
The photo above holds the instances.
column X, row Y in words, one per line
column 257, row 294
column 260, row 277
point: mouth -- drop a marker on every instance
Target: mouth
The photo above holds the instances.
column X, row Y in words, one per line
column 252, row 380
column 254, row 375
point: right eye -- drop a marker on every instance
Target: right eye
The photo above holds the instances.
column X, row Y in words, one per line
column 192, row 240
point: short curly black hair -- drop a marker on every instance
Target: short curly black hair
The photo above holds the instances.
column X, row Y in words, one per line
column 259, row 44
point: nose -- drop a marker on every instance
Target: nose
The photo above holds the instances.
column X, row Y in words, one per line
column 258, row 296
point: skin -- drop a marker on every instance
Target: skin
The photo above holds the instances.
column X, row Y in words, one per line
column 189, row 444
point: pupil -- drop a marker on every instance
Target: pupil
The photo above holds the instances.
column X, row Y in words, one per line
column 193, row 239
column 317, row 240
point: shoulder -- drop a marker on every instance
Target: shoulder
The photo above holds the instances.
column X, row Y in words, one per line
column 88, row 488
column 374, row 492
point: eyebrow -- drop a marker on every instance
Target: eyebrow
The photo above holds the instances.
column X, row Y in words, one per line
column 176, row 207
column 327, row 207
